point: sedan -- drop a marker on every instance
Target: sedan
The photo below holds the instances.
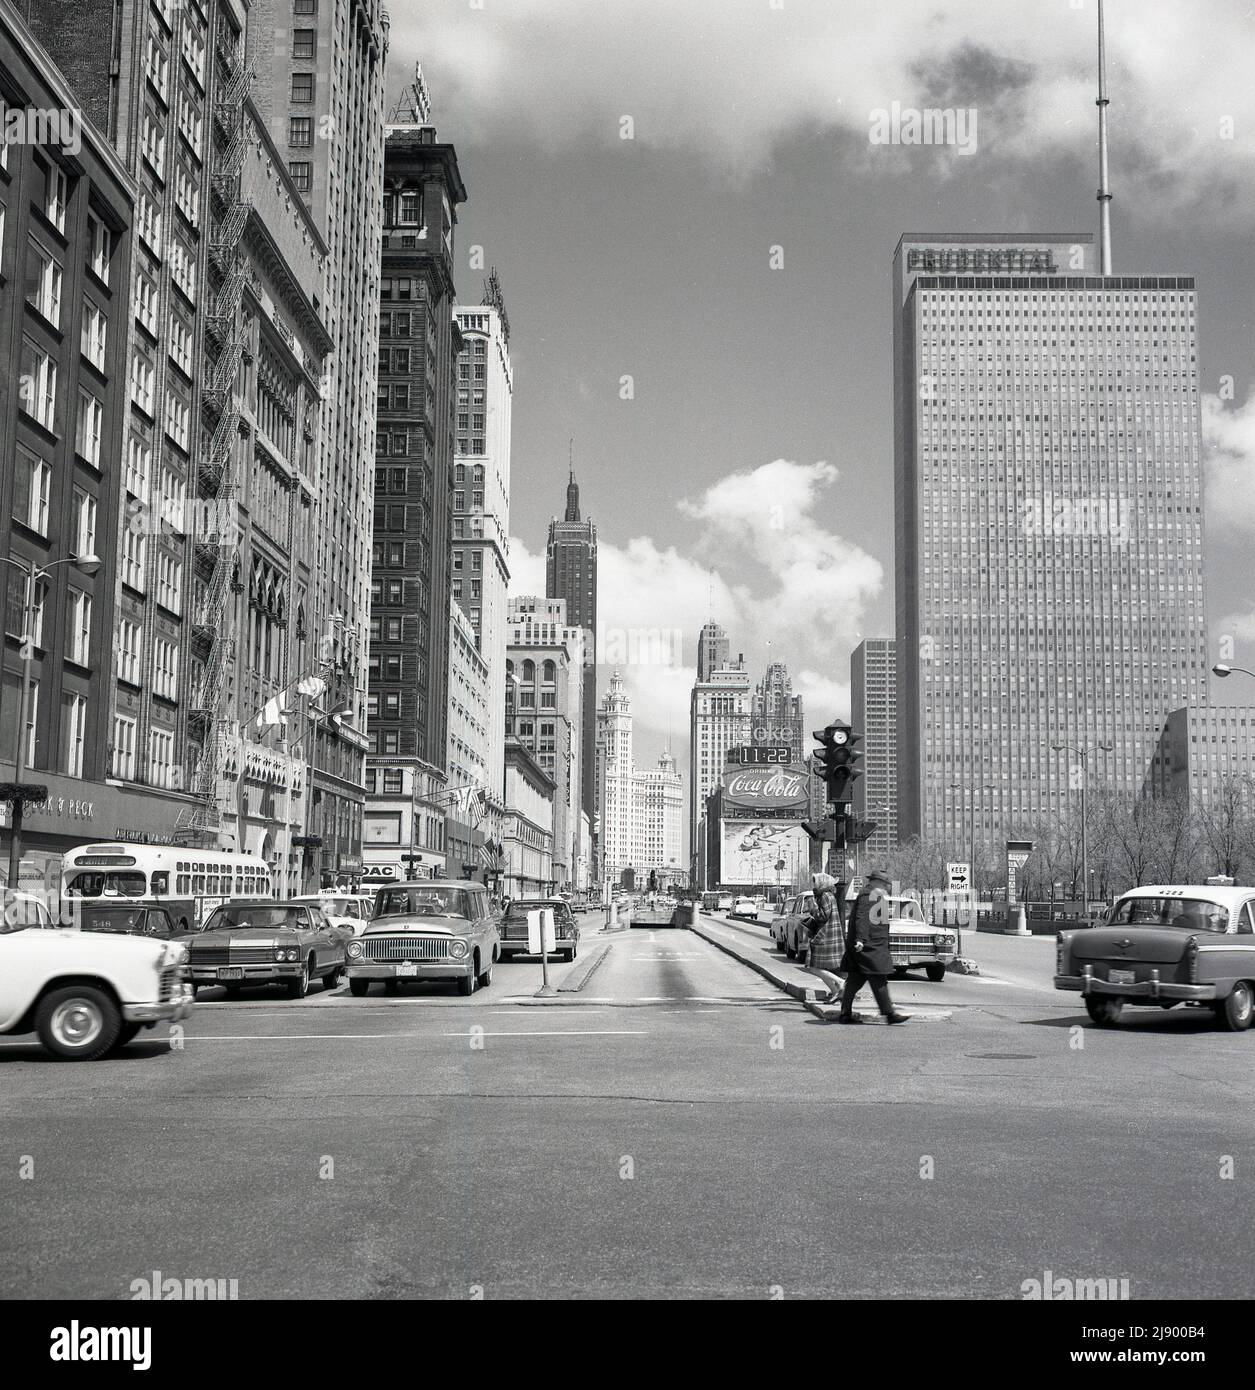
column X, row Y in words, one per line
column 265, row 942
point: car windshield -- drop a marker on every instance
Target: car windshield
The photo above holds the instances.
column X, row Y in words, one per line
column 341, row 907
column 520, row 907
column 124, row 920
column 1186, row 914
column 423, row 902
column 262, row 915
column 908, row 908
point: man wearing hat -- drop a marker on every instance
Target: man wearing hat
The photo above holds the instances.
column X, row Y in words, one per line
column 867, row 960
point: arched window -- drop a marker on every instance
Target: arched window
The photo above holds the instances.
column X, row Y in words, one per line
column 529, row 670
column 551, row 673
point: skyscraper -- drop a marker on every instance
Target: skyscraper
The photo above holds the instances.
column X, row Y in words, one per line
column 413, row 450
column 712, row 650
column 873, row 713
column 1047, row 458
column 481, row 513
column 776, row 716
column 719, row 719
column 571, row 575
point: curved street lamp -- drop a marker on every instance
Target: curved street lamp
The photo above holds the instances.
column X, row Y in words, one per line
column 1223, row 669
column 17, row 794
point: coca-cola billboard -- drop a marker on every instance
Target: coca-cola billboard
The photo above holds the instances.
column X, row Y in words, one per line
column 775, row 789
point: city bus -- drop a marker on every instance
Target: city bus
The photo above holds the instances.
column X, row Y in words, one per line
column 188, row 882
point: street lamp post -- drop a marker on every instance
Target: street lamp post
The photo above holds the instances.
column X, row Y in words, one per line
column 1104, row 746
column 89, row 564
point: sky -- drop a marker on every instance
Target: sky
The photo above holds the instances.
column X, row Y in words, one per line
column 694, row 229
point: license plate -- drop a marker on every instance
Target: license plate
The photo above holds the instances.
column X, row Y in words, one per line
column 1121, row 977
column 407, row 968
column 230, row 972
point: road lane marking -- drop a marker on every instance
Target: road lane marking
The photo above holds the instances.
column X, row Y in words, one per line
column 377, row 1037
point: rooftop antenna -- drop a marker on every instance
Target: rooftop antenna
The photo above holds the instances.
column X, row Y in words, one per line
column 1104, row 190
column 570, row 456
column 414, row 103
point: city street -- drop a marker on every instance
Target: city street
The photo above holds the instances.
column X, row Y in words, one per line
column 678, row 1127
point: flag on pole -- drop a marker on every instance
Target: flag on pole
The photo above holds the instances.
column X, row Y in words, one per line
column 272, row 713
column 313, row 686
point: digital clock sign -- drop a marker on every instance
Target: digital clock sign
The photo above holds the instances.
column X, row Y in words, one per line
column 760, row 755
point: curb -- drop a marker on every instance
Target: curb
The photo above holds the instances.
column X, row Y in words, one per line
column 584, row 974
column 794, row 991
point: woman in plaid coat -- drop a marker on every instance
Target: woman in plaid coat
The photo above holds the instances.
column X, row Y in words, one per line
column 827, row 941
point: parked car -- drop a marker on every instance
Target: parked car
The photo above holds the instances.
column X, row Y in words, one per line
column 746, row 909
column 347, row 912
column 263, row 942
column 1166, row 945
column 120, row 920
column 796, row 940
column 514, row 927
column 84, row 994
column 429, row 929
column 724, row 903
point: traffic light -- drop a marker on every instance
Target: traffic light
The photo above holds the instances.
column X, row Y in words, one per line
column 836, row 759
column 821, row 829
column 859, row 830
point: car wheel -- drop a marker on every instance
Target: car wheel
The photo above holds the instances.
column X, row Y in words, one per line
column 359, row 989
column 126, row 1034
column 466, row 984
column 899, row 972
column 486, row 978
column 936, row 973
column 572, row 953
column 331, row 980
column 299, row 988
column 77, row 1023
column 1236, row 1012
column 1105, row 1012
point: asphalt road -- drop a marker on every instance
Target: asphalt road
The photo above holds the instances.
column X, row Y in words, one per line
column 700, row 1135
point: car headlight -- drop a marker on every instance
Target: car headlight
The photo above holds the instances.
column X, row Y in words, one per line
column 285, row 953
column 179, row 954
column 457, row 949
column 354, row 949
column 939, row 940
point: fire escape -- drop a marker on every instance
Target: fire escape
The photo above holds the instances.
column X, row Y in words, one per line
column 217, row 548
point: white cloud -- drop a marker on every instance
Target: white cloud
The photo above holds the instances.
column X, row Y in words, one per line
column 783, row 587
column 1229, row 444
column 733, row 84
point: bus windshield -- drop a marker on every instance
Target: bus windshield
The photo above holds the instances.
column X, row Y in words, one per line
column 114, row 883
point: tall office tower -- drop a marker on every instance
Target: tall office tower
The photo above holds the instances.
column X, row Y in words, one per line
column 65, row 250
column 776, row 712
column 544, row 711
column 320, row 87
column 481, row 511
column 712, row 650
column 874, row 715
column 467, row 760
column 413, row 510
column 1049, row 525
column 168, row 85
column 1206, row 755
column 719, row 719
column 571, row 574
column 641, row 809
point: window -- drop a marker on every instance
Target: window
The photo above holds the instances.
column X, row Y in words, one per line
column 30, row 492
column 411, row 208
column 128, row 651
column 180, row 345
column 37, row 389
column 84, row 523
column 91, row 415
column 95, row 327
column 100, row 247
column 148, row 223
column 302, row 172
column 178, row 421
column 302, row 87
column 304, row 43
column 43, row 284
column 122, row 763
column 305, row 7
column 138, row 462
column 80, row 624
column 187, row 196
column 165, row 669
column 142, row 378
column 73, row 733
column 134, row 545
column 146, row 302
column 161, row 758
column 153, row 144
column 169, row 582
column 392, row 781
column 56, row 191
column 301, row 131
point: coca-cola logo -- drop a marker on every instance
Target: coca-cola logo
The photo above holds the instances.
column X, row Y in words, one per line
column 767, row 785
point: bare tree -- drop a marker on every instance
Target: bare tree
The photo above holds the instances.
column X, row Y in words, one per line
column 1226, row 827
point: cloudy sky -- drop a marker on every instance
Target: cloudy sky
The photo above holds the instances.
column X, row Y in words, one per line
column 732, row 257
